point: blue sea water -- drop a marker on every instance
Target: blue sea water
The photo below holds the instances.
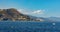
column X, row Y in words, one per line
column 29, row 26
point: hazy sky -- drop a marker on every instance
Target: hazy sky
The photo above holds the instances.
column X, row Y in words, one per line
column 40, row 8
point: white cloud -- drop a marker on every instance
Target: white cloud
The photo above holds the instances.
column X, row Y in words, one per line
column 23, row 11
column 31, row 12
column 38, row 12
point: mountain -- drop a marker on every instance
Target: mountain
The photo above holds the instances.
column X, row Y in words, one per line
column 54, row 18
column 13, row 14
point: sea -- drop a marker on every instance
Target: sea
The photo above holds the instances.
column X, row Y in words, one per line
column 29, row 26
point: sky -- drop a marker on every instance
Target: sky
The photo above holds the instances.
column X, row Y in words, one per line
column 39, row 8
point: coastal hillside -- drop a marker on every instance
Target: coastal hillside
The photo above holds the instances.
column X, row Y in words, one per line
column 13, row 14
